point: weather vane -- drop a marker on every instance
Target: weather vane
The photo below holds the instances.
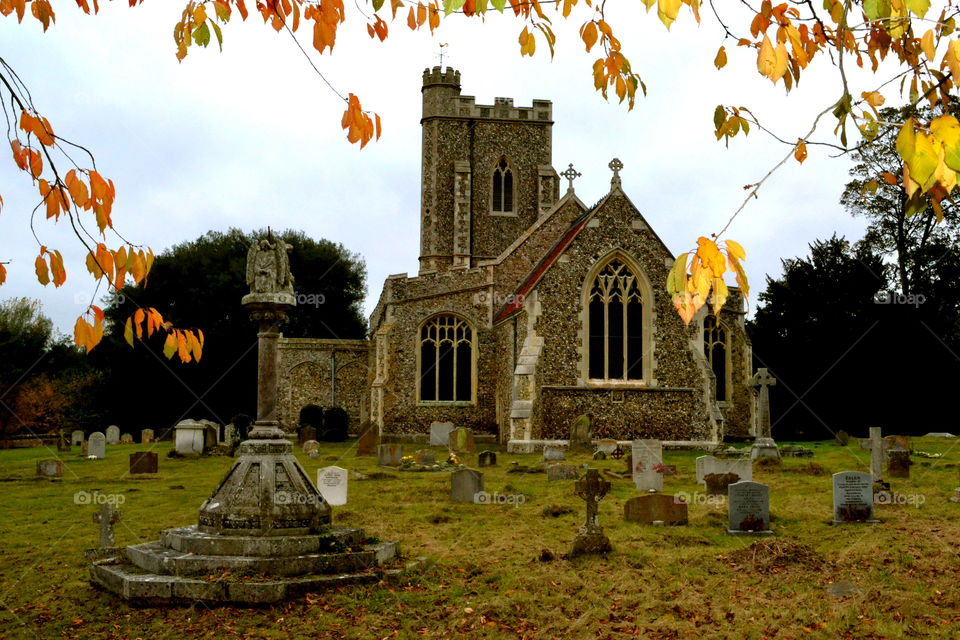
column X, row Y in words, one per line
column 440, row 55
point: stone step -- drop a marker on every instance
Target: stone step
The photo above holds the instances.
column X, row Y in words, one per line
column 132, row 583
column 155, row 558
column 190, row 540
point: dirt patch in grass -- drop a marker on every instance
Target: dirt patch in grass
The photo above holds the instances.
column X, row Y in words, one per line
column 774, row 555
column 812, row 469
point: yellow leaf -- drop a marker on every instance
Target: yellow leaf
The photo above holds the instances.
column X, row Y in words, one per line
column 947, row 130
column 170, row 345
column 720, row 293
column 942, row 175
column 873, row 98
column 928, row 46
column 667, row 11
column 766, row 58
column 951, row 59
column 40, row 266
column 200, row 14
column 925, row 158
column 721, row 60
column 128, row 332
column 736, row 249
column 677, row 280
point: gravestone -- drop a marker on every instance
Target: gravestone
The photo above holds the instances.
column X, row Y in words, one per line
column 722, row 466
column 562, row 472
column 875, row 444
column 143, row 462
column 465, row 484
column 311, row 446
column 749, row 508
column 107, row 517
column 389, row 455
column 113, row 434
column 440, row 434
column 50, row 468
column 211, row 435
column 852, row 497
column 332, row 483
column 763, row 446
column 461, row 440
column 599, row 455
column 229, row 434
column 894, row 443
column 607, row 446
column 369, row 440
column 647, row 460
column 83, row 449
column 898, row 464
column 425, row 457
column 189, row 438
column 554, row 452
column 126, row 439
column 590, row 538
column 76, row 437
column 307, row 434
column 146, row 436
column 581, row 436
column 842, row 438
column 717, row 484
column 97, row 445
column 656, row 507
column 487, row 459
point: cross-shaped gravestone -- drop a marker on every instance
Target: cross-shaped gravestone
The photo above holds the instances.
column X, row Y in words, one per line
column 590, row 538
column 764, row 446
column 875, row 445
column 591, row 488
column 107, row 517
column 570, row 174
column 615, row 166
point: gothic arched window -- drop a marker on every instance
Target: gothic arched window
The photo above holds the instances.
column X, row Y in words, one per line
column 715, row 351
column 615, row 324
column 446, row 360
column 502, row 187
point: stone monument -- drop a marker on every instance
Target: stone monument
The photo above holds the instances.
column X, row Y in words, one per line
column 266, row 516
column 764, row 446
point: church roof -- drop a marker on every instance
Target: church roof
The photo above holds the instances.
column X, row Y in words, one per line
column 516, row 300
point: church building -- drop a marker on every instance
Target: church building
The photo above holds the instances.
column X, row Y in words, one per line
column 530, row 307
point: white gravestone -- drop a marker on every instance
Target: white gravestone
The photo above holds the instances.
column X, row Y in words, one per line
column 647, row 455
column 189, row 437
column 749, row 508
column 332, row 483
column 113, row 434
column 852, row 497
column 97, row 445
column 440, row 434
column 76, row 437
column 554, row 452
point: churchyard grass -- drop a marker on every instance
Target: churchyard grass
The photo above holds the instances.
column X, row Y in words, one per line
column 488, row 580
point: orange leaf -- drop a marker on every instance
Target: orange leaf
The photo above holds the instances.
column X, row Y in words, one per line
column 138, row 316
column 56, row 267
column 3, row 274
column 889, row 178
column 412, row 19
column 589, row 34
column 801, row 151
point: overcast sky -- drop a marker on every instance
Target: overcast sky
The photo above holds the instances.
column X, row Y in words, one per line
column 251, row 137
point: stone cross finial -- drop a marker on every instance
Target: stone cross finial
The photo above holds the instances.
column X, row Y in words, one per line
column 107, row 517
column 591, row 488
column 570, row 174
column 763, row 380
column 615, row 166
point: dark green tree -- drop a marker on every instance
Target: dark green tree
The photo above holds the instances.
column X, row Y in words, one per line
column 199, row 284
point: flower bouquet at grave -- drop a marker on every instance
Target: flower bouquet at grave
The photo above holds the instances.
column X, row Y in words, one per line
column 752, row 523
column 854, row 513
column 406, row 462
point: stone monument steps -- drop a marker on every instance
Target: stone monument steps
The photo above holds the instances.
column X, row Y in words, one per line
column 157, row 559
column 133, row 583
column 191, row 540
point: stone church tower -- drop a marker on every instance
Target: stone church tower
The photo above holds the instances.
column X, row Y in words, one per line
column 486, row 173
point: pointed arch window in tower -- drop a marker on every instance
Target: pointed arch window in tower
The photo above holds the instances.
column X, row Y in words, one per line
column 715, row 351
column 446, row 360
column 615, row 324
column 502, row 187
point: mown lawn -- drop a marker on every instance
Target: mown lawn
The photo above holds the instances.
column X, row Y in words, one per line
column 488, row 580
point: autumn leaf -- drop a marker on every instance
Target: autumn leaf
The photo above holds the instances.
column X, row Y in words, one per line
column 128, row 332
column 667, row 11
column 170, row 345
column 589, row 34
column 800, row 153
column 721, row 60
column 40, row 267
